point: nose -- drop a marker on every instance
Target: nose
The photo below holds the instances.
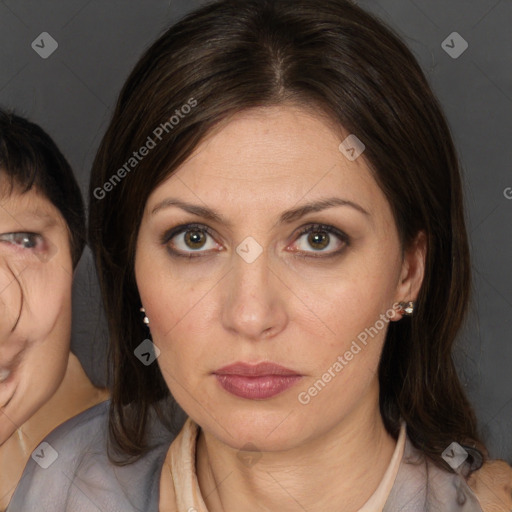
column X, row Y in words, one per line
column 254, row 300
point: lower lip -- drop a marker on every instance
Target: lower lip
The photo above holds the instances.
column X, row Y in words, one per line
column 257, row 388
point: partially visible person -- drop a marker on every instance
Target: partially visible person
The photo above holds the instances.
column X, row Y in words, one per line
column 42, row 226
column 493, row 486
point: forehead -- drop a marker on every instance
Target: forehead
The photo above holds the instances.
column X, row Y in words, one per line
column 271, row 156
column 27, row 206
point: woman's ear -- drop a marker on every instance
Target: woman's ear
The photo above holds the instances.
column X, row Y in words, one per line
column 413, row 271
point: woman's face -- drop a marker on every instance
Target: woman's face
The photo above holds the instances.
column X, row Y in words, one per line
column 35, row 304
column 257, row 283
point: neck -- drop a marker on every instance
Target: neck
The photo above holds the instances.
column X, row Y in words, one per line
column 75, row 394
column 338, row 471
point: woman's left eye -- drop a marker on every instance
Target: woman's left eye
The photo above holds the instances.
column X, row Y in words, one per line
column 321, row 238
column 23, row 240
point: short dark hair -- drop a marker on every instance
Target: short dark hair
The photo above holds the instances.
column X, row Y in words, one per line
column 30, row 158
column 331, row 55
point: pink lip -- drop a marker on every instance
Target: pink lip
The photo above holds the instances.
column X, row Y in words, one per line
column 255, row 370
column 256, row 382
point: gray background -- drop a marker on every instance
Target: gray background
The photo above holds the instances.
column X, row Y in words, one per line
column 72, row 93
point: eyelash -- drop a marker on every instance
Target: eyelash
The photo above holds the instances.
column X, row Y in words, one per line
column 331, row 230
column 11, row 238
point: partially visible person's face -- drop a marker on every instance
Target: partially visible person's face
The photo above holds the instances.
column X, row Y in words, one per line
column 311, row 291
column 35, row 304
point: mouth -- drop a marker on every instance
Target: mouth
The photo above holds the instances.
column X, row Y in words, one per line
column 256, row 382
column 256, row 370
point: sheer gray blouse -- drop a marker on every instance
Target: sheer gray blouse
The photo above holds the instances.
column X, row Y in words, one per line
column 70, row 471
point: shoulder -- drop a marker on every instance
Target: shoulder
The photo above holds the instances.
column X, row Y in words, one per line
column 422, row 485
column 70, row 470
column 492, row 484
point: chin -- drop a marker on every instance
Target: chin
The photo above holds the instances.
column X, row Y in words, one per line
column 268, row 430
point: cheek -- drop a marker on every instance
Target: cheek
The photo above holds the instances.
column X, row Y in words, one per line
column 346, row 304
column 344, row 364
column 41, row 369
column 46, row 301
column 178, row 328
column 181, row 316
column 38, row 290
column 10, row 293
column 38, row 378
column 171, row 297
column 353, row 311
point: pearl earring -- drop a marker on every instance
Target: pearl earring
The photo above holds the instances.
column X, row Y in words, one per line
column 407, row 308
column 145, row 319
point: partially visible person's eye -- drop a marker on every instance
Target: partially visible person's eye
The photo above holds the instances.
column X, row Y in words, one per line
column 23, row 240
column 189, row 239
column 327, row 241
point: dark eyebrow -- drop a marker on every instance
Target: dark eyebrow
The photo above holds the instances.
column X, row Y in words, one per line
column 316, row 206
column 285, row 218
column 195, row 209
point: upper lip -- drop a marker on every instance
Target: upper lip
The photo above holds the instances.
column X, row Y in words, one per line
column 255, row 370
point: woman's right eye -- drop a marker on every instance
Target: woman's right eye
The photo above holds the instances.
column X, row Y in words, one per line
column 189, row 239
column 22, row 240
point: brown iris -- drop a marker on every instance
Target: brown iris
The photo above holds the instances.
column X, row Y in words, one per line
column 318, row 239
column 195, row 239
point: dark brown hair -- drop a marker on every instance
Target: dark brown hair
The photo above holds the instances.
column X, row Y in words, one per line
column 330, row 55
column 29, row 158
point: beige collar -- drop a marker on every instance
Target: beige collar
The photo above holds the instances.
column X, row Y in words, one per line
column 182, row 455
